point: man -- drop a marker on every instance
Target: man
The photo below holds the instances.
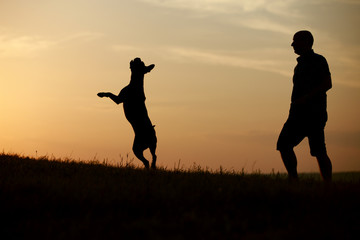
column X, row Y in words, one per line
column 308, row 115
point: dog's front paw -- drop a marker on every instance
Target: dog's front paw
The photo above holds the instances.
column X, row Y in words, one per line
column 102, row 94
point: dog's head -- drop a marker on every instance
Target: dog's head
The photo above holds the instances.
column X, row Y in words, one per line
column 138, row 66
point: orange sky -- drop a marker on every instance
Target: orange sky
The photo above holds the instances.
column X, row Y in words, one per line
column 219, row 93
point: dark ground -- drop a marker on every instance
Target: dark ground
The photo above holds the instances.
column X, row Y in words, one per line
column 48, row 199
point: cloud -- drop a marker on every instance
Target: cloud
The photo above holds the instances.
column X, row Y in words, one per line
column 266, row 25
column 125, row 48
column 355, row 2
column 264, row 15
column 23, row 45
column 30, row 45
column 246, row 61
column 280, row 65
column 276, row 19
column 226, row 6
column 82, row 36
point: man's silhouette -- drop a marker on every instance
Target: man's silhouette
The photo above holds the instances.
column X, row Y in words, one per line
column 133, row 98
column 307, row 115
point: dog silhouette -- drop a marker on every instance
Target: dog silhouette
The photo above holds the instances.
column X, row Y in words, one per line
column 133, row 98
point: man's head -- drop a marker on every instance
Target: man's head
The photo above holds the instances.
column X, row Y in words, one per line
column 138, row 66
column 302, row 42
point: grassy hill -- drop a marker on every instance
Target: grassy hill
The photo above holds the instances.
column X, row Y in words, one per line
column 53, row 199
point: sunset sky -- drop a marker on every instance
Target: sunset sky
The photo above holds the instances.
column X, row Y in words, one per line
column 218, row 95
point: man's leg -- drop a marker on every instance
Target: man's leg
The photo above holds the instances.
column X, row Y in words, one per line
column 289, row 158
column 325, row 167
column 318, row 149
column 290, row 136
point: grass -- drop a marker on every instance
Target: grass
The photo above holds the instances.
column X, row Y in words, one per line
column 53, row 199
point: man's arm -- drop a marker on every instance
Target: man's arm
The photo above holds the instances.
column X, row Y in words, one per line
column 325, row 85
column 116, row 98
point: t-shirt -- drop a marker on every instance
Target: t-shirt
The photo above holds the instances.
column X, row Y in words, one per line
column 309, row 73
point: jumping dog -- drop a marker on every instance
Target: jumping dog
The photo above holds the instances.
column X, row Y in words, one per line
column 133, row 98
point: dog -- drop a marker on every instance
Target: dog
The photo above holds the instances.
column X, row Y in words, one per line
column 133, row 98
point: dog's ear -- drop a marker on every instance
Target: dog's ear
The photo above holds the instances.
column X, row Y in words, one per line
column 149, row 68
column 136, row 63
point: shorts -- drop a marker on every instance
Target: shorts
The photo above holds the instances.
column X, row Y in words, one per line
column 294, row 131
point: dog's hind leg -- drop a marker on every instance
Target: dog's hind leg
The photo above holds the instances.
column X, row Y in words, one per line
column 139, row 153
column 152, row 150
